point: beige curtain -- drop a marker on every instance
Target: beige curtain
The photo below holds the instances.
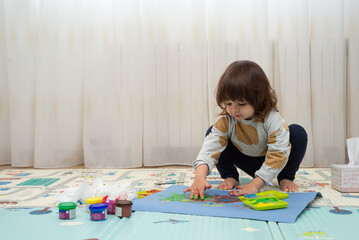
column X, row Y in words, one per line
column 128, row 83
column 174, row 72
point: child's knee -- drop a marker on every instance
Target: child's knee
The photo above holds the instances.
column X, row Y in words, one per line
column 298, row 132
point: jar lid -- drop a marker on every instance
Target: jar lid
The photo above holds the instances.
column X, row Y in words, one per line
column 123, row 202
column 93, row 200
column 98, row 207
column 67, row 205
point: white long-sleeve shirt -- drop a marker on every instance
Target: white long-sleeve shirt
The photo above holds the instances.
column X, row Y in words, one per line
column 253, row 138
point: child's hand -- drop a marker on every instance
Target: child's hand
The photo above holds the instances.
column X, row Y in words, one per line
column 250, row 188
column 244, row 190
column 197, row 189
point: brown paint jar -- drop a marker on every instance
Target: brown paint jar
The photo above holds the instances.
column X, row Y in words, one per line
column 123, row 208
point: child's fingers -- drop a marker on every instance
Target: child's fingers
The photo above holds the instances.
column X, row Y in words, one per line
column 187, row 189
column 237, row 193
column 201, row 195
column 194, row 194
column 233, row 193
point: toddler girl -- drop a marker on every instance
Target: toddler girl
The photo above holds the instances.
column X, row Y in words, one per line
column 250, row 135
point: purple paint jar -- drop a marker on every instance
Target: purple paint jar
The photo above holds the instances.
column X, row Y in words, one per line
column 98, row 211
column 67, row 210
column 111, row 207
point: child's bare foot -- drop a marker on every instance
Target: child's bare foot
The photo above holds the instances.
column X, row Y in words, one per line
column 287, row 185
column 228, row 184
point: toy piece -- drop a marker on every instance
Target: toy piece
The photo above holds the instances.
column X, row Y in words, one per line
column 260, row 204
column 266, row 194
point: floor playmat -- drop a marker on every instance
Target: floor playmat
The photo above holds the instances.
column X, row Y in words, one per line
column 313, row 223
column 40, row 188
column 31, row 196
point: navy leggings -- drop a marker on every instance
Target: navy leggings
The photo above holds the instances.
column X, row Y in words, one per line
column 231, row 157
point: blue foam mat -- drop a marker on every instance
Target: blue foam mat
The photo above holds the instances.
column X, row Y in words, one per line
column 324, row 223
column 313, row 223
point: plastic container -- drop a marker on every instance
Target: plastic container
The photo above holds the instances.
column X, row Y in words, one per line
column 67, row 210
column 260, row 204
column 98, row 211
column 265, row 194
column 111, row 207
column 92, row 200
column 123, row 208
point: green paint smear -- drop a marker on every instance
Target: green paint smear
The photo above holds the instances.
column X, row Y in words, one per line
column 174, row 197
column 206, row 197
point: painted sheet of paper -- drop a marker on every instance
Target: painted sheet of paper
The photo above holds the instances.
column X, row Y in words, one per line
column 220, row 204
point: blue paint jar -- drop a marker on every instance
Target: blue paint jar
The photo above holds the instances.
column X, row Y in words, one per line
column 98, row 211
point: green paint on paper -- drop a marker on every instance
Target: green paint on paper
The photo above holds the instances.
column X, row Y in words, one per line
column 174, row 197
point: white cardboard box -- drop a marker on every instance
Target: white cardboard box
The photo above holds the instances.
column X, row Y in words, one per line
column 345, row 178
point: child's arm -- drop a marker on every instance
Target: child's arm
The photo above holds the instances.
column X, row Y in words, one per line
column 250, row 188
column 199, row 184
column 278, row 148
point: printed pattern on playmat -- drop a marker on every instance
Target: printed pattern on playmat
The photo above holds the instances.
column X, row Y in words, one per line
column 39, row 188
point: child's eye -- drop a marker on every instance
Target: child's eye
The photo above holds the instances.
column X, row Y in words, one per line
column 242, row 103
column 228, row 103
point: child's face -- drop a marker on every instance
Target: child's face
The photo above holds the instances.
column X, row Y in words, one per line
column 240, row 110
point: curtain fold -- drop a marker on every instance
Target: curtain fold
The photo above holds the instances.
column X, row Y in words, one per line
column 112, row 85
column 4, row 95
column 20, row 35
column 328, row 90
column 58, row 84
column 289, row 29
column 174, row 69
column 130, row 83
column 351, row 36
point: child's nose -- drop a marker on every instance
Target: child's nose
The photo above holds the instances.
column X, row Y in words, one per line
column 236, row 107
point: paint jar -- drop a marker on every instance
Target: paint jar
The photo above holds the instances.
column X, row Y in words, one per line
column 67, row 210
column 92, row 200
column 111, row 207
column 123, row 208
column 98, row 211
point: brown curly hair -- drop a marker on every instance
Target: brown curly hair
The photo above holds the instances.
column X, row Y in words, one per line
column 246, row 81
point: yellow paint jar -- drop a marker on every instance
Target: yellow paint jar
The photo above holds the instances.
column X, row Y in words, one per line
column 92, row 200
